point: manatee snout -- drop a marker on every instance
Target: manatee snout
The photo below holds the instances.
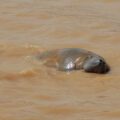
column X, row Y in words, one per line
column 96, row 65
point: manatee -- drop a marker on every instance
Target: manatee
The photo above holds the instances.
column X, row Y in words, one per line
column 68, row 59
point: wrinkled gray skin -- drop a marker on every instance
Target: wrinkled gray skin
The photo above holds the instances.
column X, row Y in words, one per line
column 74, row 59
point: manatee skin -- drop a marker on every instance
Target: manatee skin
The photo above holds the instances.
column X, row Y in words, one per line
column 68, row 59
column 96, row 65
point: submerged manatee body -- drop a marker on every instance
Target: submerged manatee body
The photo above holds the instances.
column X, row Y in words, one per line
column 74, row 59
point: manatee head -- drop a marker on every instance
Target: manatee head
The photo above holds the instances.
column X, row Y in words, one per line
column 96, row 65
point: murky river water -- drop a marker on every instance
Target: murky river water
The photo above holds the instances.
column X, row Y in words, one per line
column 30, row 91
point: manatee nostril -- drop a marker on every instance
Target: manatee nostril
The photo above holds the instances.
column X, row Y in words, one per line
column 102, row 62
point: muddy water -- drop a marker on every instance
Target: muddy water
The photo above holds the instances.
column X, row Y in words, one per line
column 30, row 91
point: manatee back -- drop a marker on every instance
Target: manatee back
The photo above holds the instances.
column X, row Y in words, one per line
column 64, row 59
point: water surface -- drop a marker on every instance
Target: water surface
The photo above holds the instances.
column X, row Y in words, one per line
column 30, row 91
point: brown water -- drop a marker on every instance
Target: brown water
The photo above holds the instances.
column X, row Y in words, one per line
column 28, row 90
